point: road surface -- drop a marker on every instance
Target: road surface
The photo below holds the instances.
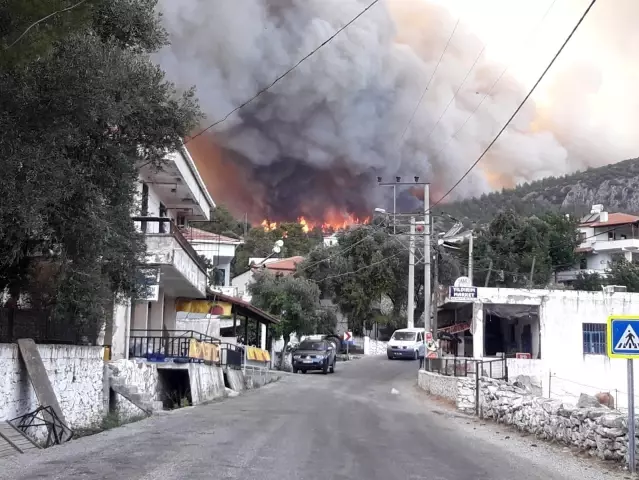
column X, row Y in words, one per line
column 311, row 427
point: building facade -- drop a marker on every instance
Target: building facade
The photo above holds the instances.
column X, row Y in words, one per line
column 563, row 332
column 604, row 237
column 168, row 200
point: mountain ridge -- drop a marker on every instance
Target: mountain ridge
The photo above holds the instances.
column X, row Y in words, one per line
column 615, row 186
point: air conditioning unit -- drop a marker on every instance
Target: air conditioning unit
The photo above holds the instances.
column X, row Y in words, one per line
column 615, row 288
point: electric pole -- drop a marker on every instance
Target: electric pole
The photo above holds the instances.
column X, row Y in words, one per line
column 410, row 309
column 427, row 289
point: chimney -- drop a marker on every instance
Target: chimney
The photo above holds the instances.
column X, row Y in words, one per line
column 603, row 217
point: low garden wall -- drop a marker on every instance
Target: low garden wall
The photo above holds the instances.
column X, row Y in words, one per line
column 596, row 429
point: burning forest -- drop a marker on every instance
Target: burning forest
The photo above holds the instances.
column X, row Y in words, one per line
column 334, row 223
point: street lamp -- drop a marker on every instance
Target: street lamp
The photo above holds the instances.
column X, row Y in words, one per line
column 277, row 248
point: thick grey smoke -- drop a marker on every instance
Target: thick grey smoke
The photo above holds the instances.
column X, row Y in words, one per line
column 323, row 133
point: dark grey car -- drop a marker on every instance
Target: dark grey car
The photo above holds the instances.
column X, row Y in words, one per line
column 314, row 355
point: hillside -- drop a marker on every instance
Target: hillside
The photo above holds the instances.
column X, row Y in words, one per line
column 615, row 186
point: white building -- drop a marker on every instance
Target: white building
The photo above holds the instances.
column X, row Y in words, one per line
column 284, row 266
column 169, row 199
column 218, row 249
column 604, row 237
column 330, row 240
column 563, row 331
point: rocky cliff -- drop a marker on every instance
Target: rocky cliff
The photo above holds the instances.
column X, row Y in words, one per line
column 615, row 186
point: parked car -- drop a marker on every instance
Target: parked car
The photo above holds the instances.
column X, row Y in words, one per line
column 315, row 355
column 406, row 343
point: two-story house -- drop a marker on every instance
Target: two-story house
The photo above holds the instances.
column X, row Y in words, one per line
column 604, row 237
column 168, row 200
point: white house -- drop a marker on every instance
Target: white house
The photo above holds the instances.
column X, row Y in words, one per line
column 604, row 236
column 563, row 331
column 285, row 266
column 218, row 249
column 169, row 199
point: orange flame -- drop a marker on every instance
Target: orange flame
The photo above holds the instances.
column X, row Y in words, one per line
column 333, row 222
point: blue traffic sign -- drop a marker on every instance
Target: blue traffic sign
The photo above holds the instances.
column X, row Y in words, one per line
column 623, row 336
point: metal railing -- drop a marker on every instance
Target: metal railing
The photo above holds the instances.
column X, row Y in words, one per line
column 57, row 431
column 466, row 367
column 157, row 345
column 231, row 355
column 166, row 227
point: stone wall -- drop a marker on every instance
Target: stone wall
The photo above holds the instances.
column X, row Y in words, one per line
column 600, row 431
column 139, row 374
column 374, row 347
column 76, row 374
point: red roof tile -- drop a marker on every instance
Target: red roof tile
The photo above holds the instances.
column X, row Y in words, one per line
column 284, row 265
column 613, row 219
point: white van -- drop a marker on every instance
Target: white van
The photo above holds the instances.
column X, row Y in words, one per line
column 406, row 343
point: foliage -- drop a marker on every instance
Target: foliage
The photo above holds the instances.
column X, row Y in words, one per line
column 81, row 110
column 512, row 243
column 589, row 282
column 613, row 185
column 259, row 243
column 294, row 300
column 623, row 272
column 224, row 223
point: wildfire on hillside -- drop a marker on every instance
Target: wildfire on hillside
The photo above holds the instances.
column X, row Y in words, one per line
column 332, row 222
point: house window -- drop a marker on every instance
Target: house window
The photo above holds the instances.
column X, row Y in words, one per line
column 594, row 338
column 583, row 263
column 582, row 237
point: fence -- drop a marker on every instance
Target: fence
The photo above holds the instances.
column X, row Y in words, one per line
column 16, row 323
column 231, row 356
column 465, row 367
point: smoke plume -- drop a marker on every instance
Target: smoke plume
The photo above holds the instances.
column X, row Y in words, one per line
column 318, row 139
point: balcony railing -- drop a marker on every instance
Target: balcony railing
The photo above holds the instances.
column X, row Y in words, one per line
column 166, row 226
column 158, row 345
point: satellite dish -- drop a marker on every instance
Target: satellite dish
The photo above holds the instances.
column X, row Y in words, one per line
column 276, row 249
column 279, row 243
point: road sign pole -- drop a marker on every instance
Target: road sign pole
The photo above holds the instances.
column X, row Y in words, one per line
column 622, row 338
column 632, row 464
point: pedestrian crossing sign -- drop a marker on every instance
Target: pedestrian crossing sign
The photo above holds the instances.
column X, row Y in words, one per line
column 623, row 336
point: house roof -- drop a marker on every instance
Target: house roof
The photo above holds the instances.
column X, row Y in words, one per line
column 195, row 235
column 244, row 308
column 284, row 265
column 613, row 219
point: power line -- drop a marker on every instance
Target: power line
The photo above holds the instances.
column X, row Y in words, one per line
column 492, row 87
column 456, row 92
column 44, row 19
column 430, row 79
column 532, row 90
column 264, row 90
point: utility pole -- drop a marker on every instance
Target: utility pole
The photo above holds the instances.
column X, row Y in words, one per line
column 435, row 288
column 470, row 259
column 394, row 209
column 427, row 289
column 410, row 309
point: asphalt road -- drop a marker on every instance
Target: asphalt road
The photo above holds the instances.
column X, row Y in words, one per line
column 311, row 427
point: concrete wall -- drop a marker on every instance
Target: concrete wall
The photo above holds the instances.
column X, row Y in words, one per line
column 207, row 382
column 141, row 375
column 76, row 373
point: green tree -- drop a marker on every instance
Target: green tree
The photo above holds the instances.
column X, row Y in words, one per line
column 294, row 300
column 623, row 272
column 589, row 282
column 224, row 223
column 513, row 242
column 83, row 109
